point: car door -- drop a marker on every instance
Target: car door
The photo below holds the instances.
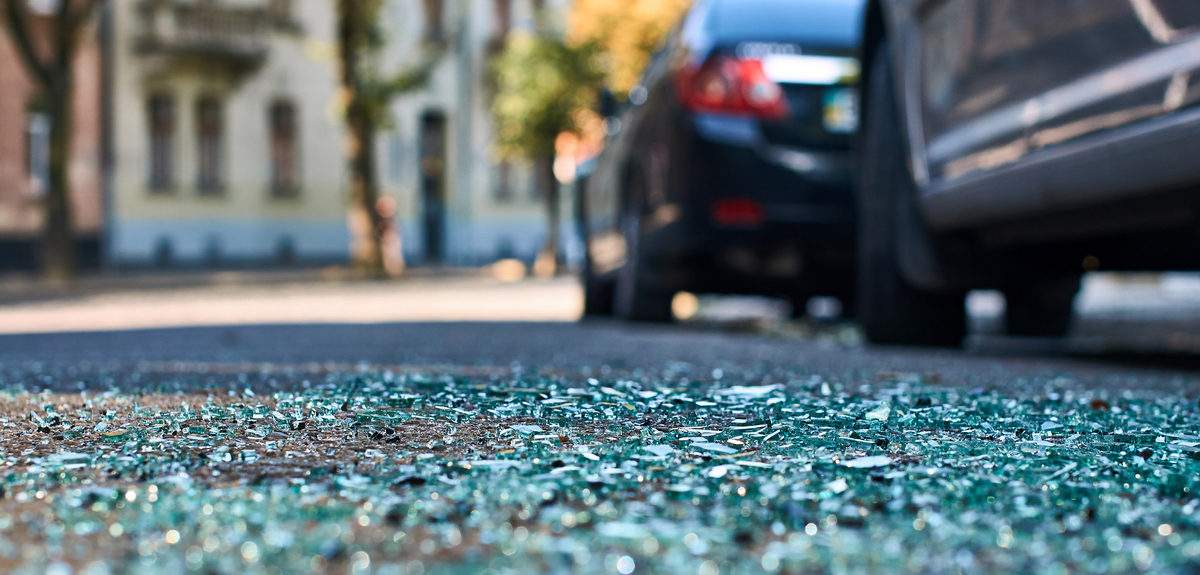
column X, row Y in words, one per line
column 632, row 136
column 993, row 85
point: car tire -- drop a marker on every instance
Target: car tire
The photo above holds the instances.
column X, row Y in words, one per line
column 891, row 309
column 798, row 307
column 636, row 298
column 1041, row 309
column 597, row 297
column 849, row 301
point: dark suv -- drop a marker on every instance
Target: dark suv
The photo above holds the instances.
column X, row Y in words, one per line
column 731, row 169
column 1016, row 145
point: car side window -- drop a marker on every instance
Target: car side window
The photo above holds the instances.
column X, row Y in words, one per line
column 696, row 23
column 688, row 31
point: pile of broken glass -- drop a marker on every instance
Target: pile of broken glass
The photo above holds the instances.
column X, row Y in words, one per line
column 376, row 471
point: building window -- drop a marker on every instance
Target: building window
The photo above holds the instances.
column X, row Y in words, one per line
column 161, row 111
column 433, row 22
column 285, row 150
column 533, row 182
column 502, row 190
column 210, row 135
column 503, row 26
column 37, row 151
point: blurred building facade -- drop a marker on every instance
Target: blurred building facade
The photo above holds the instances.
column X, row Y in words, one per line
column 208, row 133
column 24, row 154
column 226, row 144
column 457, row 202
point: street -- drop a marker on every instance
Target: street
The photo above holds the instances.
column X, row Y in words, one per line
column 418, row 286
column 418, row 427
column 1131, row 334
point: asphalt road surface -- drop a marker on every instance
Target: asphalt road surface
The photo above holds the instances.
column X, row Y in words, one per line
column 420, row 427
column 1133, row 335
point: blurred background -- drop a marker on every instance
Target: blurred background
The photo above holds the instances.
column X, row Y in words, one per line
column 218, row 135
column 179, row 162
column 299, row 141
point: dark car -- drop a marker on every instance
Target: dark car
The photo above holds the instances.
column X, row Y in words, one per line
column 731, row 169
column 1016, row 145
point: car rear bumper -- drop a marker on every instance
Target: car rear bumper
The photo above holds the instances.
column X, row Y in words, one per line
column 775, row 259
column 803, row 243
column 732, row 158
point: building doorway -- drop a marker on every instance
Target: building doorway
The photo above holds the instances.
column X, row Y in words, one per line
column 433, row 185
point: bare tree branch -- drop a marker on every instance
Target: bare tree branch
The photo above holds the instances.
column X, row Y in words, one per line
column 414, row 76
column 62, row 38
column 368, row 93
column 17, row 19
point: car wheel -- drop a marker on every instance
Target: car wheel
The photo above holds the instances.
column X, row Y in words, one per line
column 798, row 305
column 597, row 297
column 891, row 309
column 1041, row 309
column 849, row 301
column 636, row 298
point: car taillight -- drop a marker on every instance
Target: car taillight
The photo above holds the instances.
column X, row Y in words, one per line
column 731, row 86
column 738, row 212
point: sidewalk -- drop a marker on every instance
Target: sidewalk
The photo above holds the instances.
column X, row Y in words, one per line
column 24, row 287
column 292, row 297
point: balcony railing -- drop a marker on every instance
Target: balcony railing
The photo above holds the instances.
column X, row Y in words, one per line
column 231, row 34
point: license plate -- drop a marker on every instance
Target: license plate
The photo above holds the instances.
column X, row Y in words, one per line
column 841, row 111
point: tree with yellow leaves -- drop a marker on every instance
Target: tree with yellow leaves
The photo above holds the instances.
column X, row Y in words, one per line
column 627, row 31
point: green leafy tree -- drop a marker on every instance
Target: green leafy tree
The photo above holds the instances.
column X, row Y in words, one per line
column 542, row 86
column 367, row 93
column 47, row 40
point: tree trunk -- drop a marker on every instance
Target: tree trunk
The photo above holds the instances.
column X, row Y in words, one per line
column 364, row 189
column 367, row 227
column 550, row 258
column 54, row 75
column 58, row 245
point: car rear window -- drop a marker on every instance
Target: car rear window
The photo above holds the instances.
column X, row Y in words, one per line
column 832, row 23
